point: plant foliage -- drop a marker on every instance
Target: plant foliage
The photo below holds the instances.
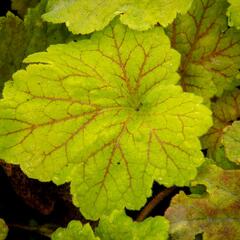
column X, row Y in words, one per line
column 22, row 6
column 135, row 101
column 74, row 231
column 3, row 229
column 231, row 141
column 117, row 226
column 84, row 16
column 210, row 50
column 214, row 214
column 117, row 117
column 20, row 38
column 233, row 13
column 225, row 111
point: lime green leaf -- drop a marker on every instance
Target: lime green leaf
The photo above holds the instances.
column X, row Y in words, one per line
column 109, row 107
column 74, row 231
column 231, row 141
column 215, row 215
column 210, row 51
column 19, row 38
column 225, row 111
column 3, row 230
column 21, row 6
column 86, row 16
column 118, row 226
column 234, row 13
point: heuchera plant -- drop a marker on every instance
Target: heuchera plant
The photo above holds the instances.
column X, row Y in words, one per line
column 133, row 102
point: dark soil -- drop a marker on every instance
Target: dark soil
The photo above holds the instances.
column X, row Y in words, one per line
column 28, row 205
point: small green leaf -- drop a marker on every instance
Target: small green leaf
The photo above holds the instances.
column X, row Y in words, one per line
column 234, row 13
column 3, row 230
column 107, row 111
column 118, row 226
column 74, row 231
column 210, row 50
column 215, row 215
column 86, row 16
column 231, row 141
column 225, row 111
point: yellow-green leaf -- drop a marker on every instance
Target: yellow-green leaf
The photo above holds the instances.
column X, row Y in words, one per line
column 107, row 111
column 3, row 230
column 86, row 16
column 74, row 231
column 234, row 13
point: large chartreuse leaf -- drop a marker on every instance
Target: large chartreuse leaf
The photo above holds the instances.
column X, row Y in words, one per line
column 105, row 110
column 86, row 16
column 210, row 50
column 215, row 215
column 225, row 110
column 74, row 231
column 3, row 230
column 19, row 38
column 231, row 141
column 234, row 13
column 117, row 226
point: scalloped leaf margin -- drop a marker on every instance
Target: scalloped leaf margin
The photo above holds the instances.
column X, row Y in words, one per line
column 86, row 16
column 104, row 113
column 234, row 13
column 117, row 226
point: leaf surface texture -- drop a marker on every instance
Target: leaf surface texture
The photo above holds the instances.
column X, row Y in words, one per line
column 234, row 13
column 105, row 113
column 86, row 16
column 74, row 231
column 231, row 141
column 210, row 50
column 214, row 215
column 20, row 38
column 117, row 226
column 225, row 111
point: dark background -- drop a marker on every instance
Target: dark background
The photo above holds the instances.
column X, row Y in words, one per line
column 5, row 5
